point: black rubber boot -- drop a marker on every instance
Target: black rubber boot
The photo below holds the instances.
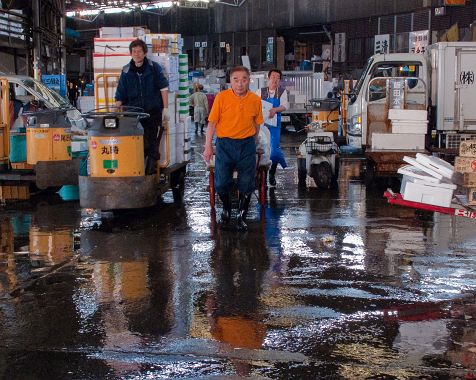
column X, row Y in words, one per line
column 272, row 173
column 201, row 128
column 226, row 210
column 244, row 203
column 196, row 127
column 150, row 166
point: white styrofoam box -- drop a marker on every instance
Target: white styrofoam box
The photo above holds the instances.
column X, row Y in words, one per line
column 300, row 98
column 171, row 157
column 442, row 185
column 436, row 164
column 109, row 63
column 392, row 141
column 399, row 114
column 112, row 45
column 426, row 169
column 422, row 193
column 414, row 172
column 180, row 141
column 110, row 31
column 411, row 127
column 79, row 145
column 86, row 103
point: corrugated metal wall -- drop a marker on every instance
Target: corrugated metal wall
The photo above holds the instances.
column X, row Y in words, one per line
column 259, row 14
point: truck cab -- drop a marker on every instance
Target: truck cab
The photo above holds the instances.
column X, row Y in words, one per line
column 369, row 103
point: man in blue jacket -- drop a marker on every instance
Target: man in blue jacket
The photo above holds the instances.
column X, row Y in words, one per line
column 143, row 84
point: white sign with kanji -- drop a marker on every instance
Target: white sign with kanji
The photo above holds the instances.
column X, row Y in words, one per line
column 418, row 41
column 382, row 44
column 339, row 47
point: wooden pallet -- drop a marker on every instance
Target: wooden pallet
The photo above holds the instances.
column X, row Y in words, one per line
column 14, row 191
column 21, row 166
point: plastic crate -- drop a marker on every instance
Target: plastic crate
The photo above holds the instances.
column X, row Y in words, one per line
column 454, row 139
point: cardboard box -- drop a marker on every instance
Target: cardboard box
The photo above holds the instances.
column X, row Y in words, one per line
column 467, row 148
column 469, row 180
column 471, row 193
column 465, row 164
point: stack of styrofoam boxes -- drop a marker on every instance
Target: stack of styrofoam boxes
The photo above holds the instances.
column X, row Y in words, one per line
column 465, row 163
column 409, row 128
column 110, row 55
column 122, row 32
column 428, row 179
column 296, row 100
column 164, row 43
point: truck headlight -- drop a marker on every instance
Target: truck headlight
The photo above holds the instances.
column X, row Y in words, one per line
column 355, row 126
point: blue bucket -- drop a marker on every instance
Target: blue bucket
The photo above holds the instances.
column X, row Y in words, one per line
column 69, row 192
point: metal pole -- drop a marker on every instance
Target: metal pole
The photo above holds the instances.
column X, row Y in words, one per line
column 36, row 40
column 63, row 40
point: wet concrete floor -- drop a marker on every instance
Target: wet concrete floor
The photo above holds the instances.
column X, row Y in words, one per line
column 330, row 284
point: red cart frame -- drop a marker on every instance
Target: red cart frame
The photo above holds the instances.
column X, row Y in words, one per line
column 397, row 199
column 260, row 181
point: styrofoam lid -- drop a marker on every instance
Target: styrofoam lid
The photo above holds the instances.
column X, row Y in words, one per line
column 436, row 164
column 426, row 169
column 414, row 172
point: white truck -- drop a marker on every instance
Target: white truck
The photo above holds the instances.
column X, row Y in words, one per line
column 441, row 81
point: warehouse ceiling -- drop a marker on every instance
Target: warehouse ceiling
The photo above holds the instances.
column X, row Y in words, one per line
column 146, row 5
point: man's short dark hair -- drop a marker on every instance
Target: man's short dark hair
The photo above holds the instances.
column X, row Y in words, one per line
column 239, row 68
column 136, row 43
column 275, row 71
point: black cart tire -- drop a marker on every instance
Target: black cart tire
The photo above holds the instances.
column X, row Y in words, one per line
column 178, row 185
column 322, row 175
column 302, row 172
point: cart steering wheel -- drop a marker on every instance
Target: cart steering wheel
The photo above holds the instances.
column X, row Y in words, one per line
column 122, row 111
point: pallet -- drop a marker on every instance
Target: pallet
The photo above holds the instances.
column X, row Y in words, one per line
column 21, row 166
column 11, row 191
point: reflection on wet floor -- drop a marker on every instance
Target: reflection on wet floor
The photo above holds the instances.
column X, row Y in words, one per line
column 325, row 284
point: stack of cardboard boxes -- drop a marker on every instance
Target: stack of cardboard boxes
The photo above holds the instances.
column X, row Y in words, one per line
column 465, row 163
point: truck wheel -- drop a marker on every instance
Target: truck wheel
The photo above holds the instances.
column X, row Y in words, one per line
column 322, row 175
column 178, row 185
column 302, row 172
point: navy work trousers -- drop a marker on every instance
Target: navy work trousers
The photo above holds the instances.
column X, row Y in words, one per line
column 239, row 155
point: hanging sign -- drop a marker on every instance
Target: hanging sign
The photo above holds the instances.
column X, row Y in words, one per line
column 382, row 44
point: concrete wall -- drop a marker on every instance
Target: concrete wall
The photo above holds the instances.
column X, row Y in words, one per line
column 262, row 14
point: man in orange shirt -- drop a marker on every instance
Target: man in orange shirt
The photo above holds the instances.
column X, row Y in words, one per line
column 236, row 117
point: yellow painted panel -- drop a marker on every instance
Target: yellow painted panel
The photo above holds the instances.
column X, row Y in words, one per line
column 121, row 156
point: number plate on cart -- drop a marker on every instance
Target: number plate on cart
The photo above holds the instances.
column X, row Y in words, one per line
column 285, row 118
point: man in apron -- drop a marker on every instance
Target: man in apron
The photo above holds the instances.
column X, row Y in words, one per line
column 278, row 97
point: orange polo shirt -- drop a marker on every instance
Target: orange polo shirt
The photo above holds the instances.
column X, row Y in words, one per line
column 236, row 117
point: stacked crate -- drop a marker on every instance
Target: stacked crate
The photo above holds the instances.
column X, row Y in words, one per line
column 465, row 163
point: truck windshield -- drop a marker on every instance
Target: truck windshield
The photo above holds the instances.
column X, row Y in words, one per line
column 48, row 95
column 365, row 71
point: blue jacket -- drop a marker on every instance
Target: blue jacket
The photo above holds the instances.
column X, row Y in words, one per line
column 142, row 90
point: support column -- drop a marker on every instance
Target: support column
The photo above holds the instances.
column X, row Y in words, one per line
column 36, row 40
